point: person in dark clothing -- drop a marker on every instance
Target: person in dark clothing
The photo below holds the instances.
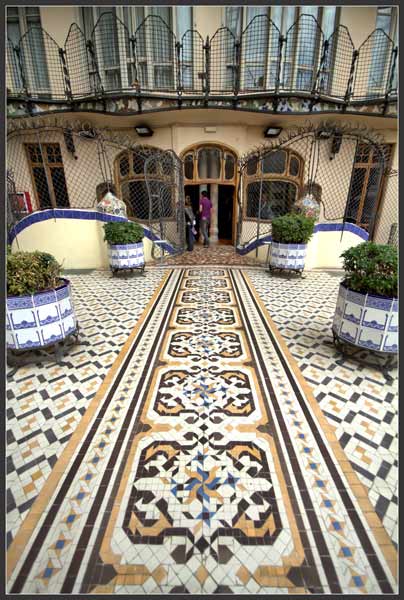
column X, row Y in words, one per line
column 189, row 224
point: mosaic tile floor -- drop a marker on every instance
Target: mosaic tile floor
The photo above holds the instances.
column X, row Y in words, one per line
column 213, row 255
column 45, row 403
column 357, row 400
column 203, row 464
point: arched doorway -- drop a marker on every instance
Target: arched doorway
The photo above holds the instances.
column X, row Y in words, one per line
column 213, row 167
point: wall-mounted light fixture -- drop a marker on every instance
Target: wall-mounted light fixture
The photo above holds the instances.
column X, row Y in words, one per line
column 336, row 143
column 324, row 134
column 271, row 132
column 144, row 131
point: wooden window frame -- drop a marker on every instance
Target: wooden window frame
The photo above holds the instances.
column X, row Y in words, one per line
column 297, row 180
column 196, row 180
column 47, row 166
column 132, row 176
column 370, row 164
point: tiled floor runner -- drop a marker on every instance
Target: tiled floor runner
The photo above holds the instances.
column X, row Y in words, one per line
column 203, row 465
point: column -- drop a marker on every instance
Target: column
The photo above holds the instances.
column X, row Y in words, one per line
column 214, row 193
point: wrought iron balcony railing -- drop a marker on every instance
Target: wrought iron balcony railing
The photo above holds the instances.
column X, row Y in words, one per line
column 153, row 62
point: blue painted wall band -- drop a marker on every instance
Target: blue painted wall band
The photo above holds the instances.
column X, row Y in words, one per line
column 319, row 227
column 72, row 213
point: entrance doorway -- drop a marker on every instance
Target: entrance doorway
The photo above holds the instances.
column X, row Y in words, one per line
column 213, row 166
column 225, row 206
column 225, row 209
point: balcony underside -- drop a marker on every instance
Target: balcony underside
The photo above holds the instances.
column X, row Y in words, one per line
column 130, row 104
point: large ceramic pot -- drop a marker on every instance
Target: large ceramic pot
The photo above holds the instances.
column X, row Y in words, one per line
column 288, row 256
column 366, row 320
column 126, row 256
column 40, row 319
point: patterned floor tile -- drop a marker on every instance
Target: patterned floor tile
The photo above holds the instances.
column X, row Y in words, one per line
column 204, row 463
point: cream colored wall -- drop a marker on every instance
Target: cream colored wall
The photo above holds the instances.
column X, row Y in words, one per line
column 56, row 20
column 207, row 19
column 323, row 251
column 75, row 243
column 17, row 162
column 360, row 20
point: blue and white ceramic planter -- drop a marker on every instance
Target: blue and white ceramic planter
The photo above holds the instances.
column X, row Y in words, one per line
column 126, row 256
column 288, row 256
column 367, row 321
column 40, row 319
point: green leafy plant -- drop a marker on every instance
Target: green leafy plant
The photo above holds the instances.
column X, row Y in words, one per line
column 124, row 232
column 31, row 272
column 292, row 229
column 371, row 269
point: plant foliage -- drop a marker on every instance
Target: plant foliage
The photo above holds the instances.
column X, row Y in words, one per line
column 292, row 229
column 31, row 272
column 371, row 269
column 124, row 232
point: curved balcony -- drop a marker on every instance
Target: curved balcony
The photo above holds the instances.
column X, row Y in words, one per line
column 260, row 70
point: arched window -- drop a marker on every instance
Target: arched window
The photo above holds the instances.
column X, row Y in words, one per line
column 272, row 184
column 210, row 162
column 131, row 180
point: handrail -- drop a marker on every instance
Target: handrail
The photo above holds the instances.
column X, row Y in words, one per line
column 231, row 67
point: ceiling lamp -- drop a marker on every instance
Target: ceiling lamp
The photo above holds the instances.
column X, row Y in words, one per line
column 271, row 132
column 143, row 131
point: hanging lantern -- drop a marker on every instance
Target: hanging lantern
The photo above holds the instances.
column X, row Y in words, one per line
column 112, row 205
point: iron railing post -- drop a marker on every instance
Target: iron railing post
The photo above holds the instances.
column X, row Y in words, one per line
column 392, row 73
column 275, row 101
column 136, row 83
column 207, row 70
column 238, row 68
column 315, row 92
column 348, row 92
column 99, row 89
column 178, row 47
column 66, row 76
column 22, row 71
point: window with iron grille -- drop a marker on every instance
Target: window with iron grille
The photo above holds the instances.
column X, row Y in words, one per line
column 386, row 22
column 261, row 46
column 366, row 184
column 48, row 176
column 154, row 45
column 272, row 184
column 132, row 187
column 20, row 21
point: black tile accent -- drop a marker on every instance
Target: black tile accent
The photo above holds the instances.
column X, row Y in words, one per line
column 388, row 417
column 11, row 505
column 344, row 439
column 350, row 416
column 384, row 469
column 386, row 441
column 382, row 505
column 362, row 471
column 50, row 436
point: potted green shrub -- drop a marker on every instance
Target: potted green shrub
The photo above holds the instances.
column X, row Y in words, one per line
column 125, row 240
column 290, row 234
column 366, row 314
column 39, row 307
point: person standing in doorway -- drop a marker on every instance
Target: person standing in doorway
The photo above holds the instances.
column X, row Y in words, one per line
column 189, row 224
column 205, row 210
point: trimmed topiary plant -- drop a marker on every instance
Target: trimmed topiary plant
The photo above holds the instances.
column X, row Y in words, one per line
column 39, row 305
column 125, row 245
column 123, row 232
column 372, row 269
column 290, row 234
column 292, row 229
column 366, row 314
column 31, row 272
